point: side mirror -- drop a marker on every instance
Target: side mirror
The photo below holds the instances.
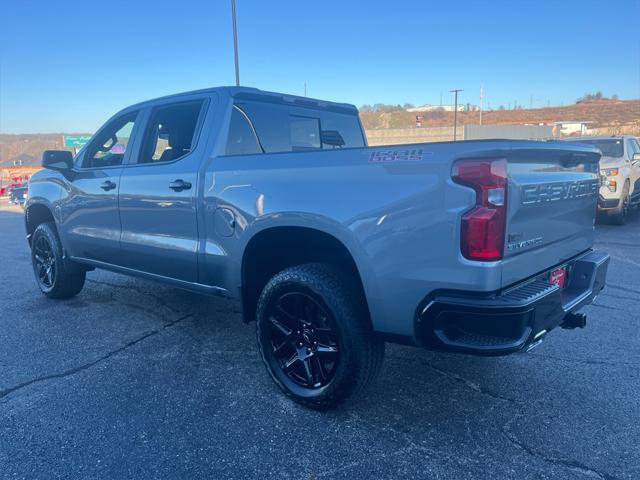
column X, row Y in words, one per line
column 57, row 159
column 635, row 158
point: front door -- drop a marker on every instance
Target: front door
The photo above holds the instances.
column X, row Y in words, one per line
column 158, row 191
column 89, row 217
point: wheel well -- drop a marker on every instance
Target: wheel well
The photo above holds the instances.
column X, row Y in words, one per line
column 275, row 249
column 35, row 215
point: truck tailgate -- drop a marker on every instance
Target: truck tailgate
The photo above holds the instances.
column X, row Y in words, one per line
column 551, row 207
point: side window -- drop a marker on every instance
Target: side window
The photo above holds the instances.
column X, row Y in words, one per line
column 107, row 149
column 632, row 147
column 170, row 133
column 271, row 122
column 629, row 149
column 242, row 139
column 340, row 130
column 304, row 133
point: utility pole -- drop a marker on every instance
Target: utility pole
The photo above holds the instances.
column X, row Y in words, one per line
column 481, row 97
column 235, row 41
column 305, row 88
column 455, row 113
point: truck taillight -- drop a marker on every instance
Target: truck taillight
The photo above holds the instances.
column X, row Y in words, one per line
column 483, row 227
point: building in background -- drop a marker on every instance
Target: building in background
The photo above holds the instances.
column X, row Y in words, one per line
column 571, row 128
column 444, row 108
column 14, row 176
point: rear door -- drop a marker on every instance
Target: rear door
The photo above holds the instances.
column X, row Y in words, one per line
column 158, row 192
column 90, row 218
column 552, row 198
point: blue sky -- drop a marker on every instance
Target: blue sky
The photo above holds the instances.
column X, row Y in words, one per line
column 67, row 66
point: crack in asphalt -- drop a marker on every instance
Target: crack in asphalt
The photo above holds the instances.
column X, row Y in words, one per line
column 625, row 260
column 573, row 465
column 510, row 436
column 624, row 289
column 476, row 387
column 607, row 307
column 145, row 310
column 581, row 361
column 619, row 297
column 401, row 451
column 8, row 391
column 135, row 288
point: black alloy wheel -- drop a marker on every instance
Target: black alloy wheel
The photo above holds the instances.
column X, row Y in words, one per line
column 315, row 336
column 44, row 262
column 56, row 276
column 304, row 342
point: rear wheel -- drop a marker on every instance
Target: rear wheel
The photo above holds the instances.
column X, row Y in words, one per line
column 314, row 335
column 56, row 277
column 619, row 215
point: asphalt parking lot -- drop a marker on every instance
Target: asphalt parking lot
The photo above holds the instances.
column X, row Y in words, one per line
column 132, row 379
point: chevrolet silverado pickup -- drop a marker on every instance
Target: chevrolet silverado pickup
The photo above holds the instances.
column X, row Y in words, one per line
column 620, row 173
column 331, row 246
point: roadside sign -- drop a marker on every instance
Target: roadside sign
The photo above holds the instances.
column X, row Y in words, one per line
column 76, row 141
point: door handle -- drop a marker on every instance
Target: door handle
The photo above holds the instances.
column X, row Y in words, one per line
column 179, row 185
column 108, row 185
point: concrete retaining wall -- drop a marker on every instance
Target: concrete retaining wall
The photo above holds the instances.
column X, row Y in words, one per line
column 395, row 136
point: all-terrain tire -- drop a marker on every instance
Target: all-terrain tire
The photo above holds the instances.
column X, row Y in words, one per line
column 335, row 293
column 55, row 276
column 619, row 215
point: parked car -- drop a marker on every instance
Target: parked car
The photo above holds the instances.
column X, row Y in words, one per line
column 18, row 195
column 5, row 190
column 620, row 170
column 333, row 247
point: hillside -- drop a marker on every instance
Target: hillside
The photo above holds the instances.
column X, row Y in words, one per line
column 28, row 147
column 608, row 117
column 603, row 114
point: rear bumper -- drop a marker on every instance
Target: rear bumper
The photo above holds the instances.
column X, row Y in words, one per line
column 510, row 320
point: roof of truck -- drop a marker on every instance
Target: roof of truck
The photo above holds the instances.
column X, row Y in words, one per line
column 249, row 93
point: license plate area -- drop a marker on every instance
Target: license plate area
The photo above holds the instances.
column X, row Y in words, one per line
column 559, row 276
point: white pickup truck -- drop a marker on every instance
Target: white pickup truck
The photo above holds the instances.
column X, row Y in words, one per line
column 620, row 171
column 333, row 247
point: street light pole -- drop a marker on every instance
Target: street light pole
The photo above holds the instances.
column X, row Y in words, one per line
column 235, row 41
column 455, row 113
column 481, row 97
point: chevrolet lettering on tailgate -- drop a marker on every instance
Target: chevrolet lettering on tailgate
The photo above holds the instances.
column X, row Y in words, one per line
column 554, row 192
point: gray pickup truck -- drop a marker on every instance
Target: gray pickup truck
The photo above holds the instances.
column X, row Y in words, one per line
column 332, row 247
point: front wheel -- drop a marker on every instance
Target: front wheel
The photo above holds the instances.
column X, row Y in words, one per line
column 619, row 215
column 314, row 335
column 56, row 277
